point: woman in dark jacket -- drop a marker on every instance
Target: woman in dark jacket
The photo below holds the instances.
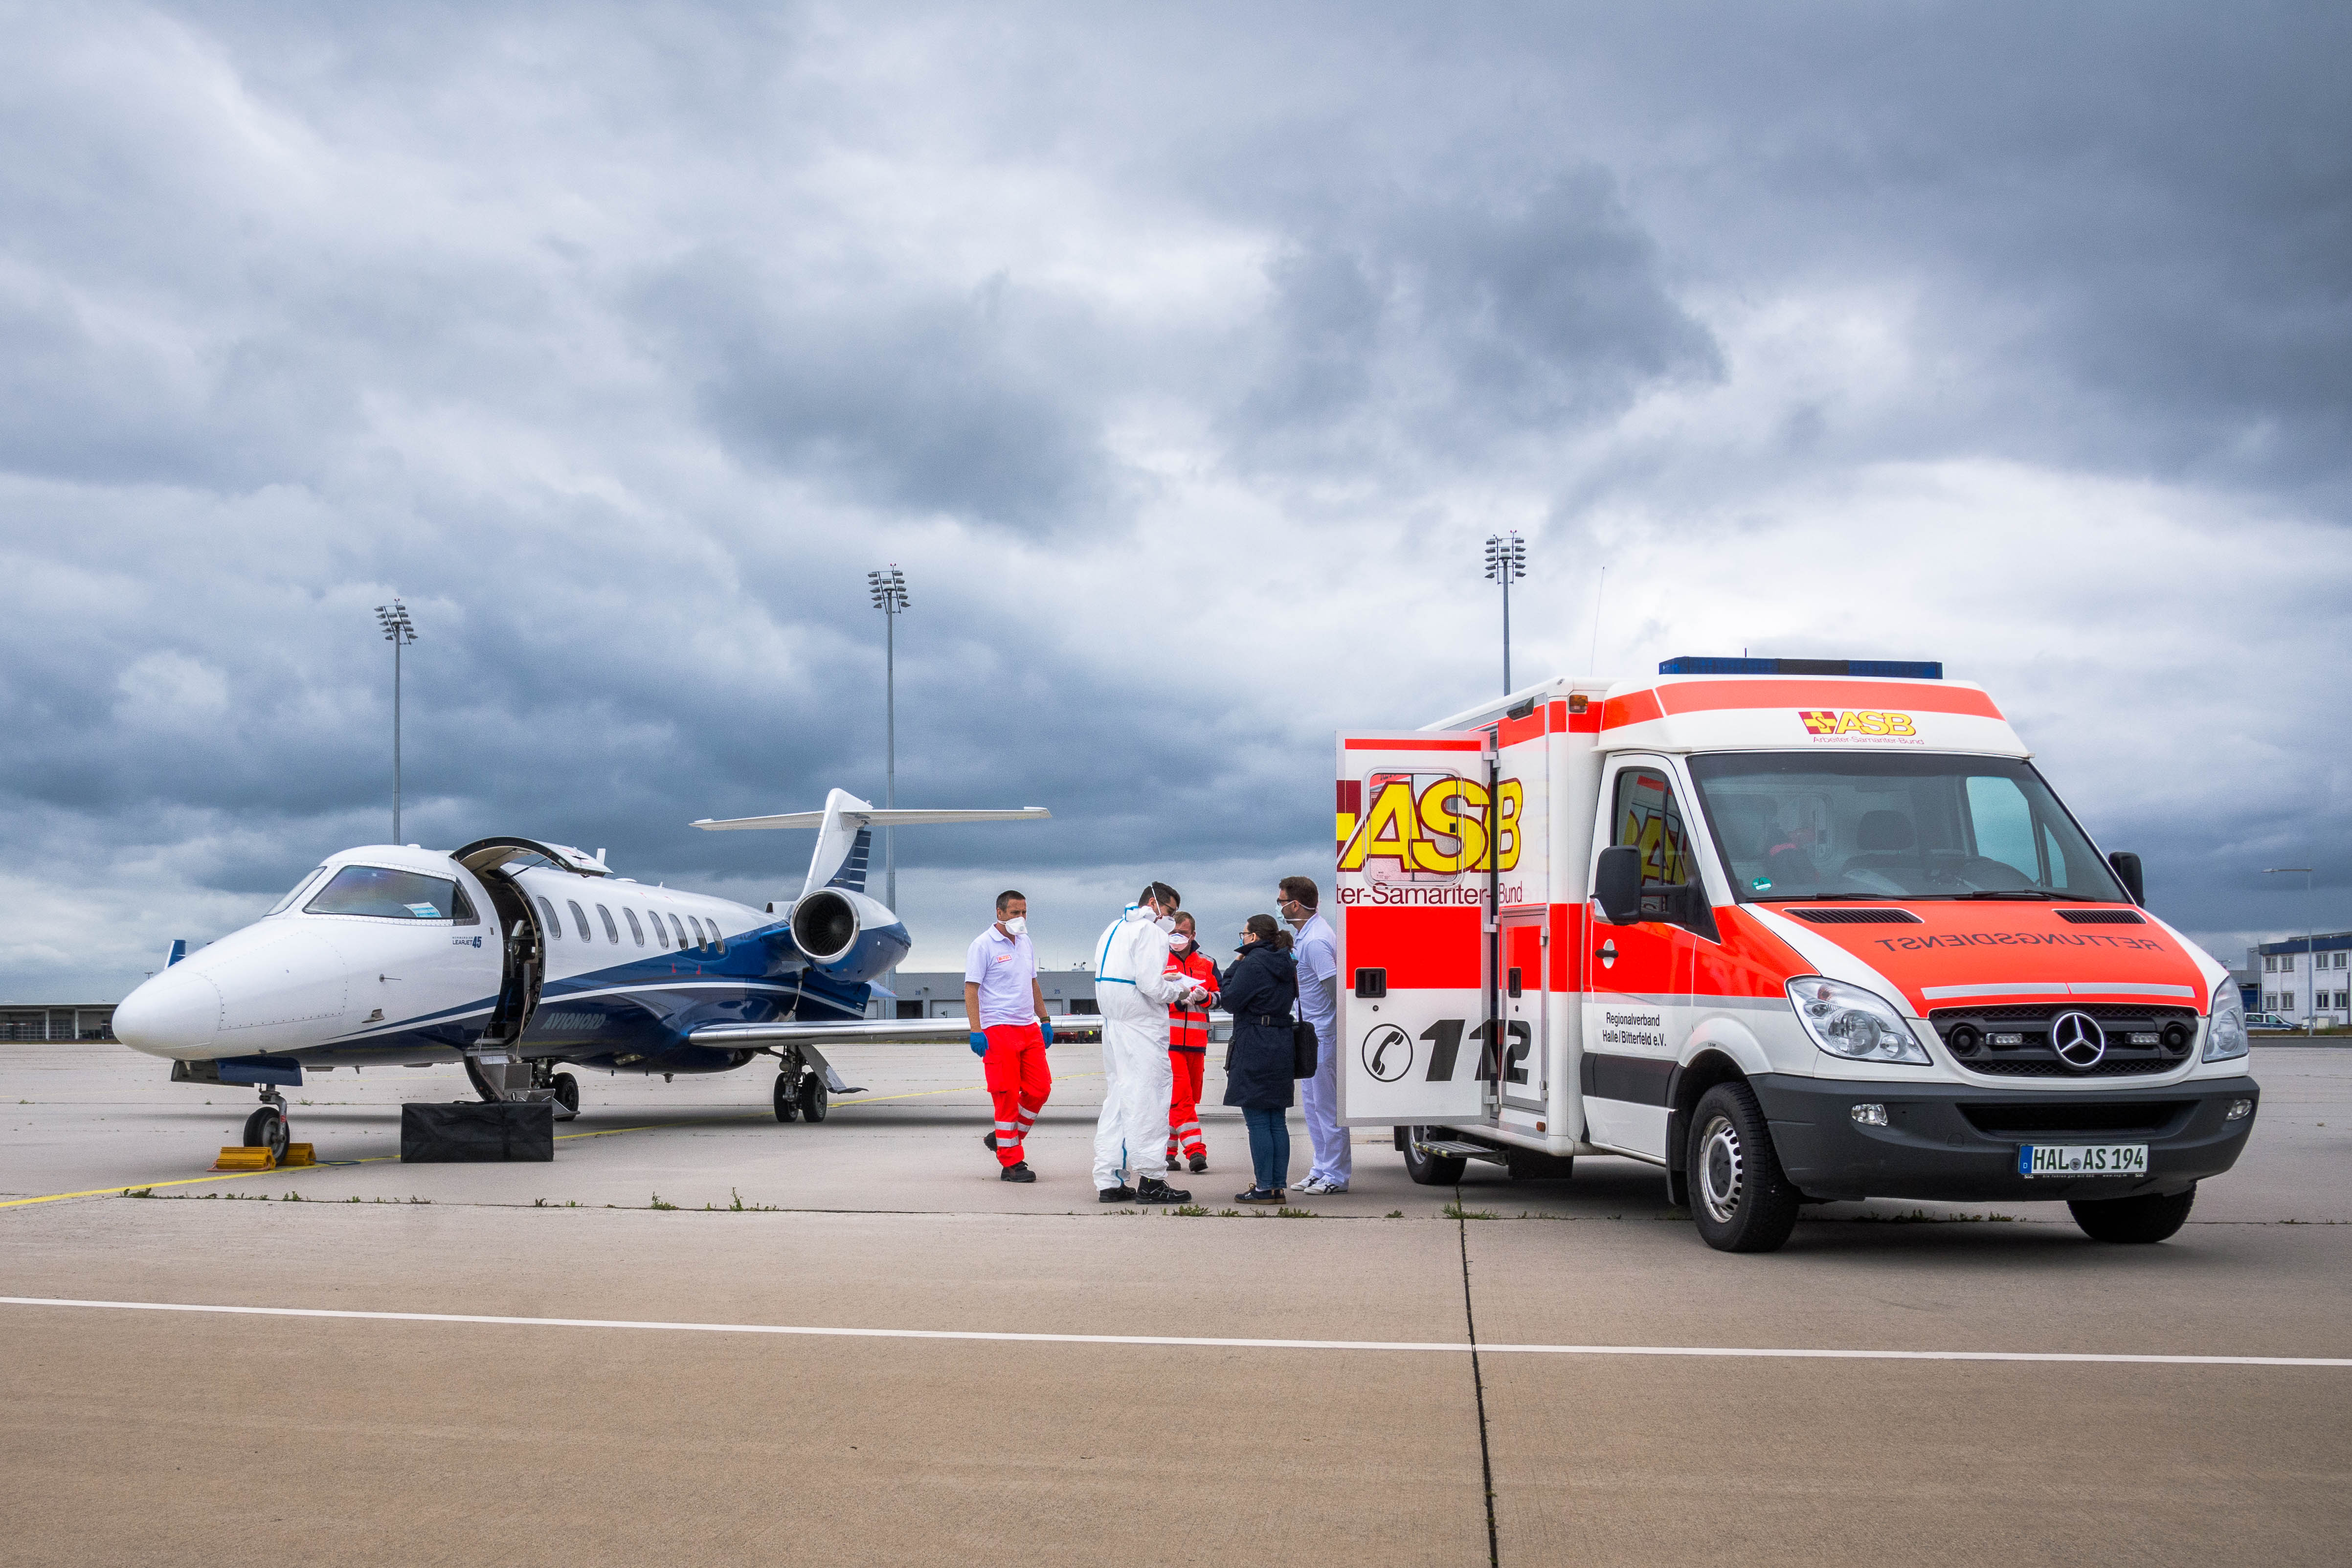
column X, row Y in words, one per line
column 1259, row 991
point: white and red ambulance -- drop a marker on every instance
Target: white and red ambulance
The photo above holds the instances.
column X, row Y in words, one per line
column 1793, row 930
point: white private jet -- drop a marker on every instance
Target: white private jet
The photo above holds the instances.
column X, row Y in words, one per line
column 517, row 957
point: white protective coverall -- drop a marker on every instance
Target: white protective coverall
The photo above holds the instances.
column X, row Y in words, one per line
column 1134, row 990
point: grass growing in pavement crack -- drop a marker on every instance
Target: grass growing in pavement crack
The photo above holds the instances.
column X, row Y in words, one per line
column 1286, row 1212
column 659, row 1205
column 1456, row 1211
column 1189, row 1210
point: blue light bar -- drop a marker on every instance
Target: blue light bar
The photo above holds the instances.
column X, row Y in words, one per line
column 1898, row 669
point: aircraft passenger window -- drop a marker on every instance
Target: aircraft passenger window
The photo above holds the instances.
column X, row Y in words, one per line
column 636, row 930
column 386, row 894
column 579, row 918
column 612, row 932
column 701, row 935
column 678, row 931
column 554, row 926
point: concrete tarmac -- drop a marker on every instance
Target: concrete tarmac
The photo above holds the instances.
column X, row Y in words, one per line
column 197, row 1437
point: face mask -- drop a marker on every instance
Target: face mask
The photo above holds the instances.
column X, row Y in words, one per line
column 1166, row 922
column 1017, row 926
column 1179, row 942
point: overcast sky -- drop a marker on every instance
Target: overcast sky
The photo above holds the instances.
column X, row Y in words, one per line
column 1182, row 357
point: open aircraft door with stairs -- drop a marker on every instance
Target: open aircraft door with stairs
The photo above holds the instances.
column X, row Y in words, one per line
column 1413, row 902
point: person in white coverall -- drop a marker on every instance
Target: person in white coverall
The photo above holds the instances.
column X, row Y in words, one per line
column 1134, row 990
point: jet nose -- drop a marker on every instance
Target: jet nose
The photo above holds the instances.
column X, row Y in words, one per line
column 170, row 1013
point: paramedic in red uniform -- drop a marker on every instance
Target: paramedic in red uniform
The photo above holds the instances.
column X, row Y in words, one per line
column 1010, row 1031
column 1187, row 1046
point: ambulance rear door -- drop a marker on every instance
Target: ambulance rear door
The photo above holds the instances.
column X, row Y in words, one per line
column 1411, row 909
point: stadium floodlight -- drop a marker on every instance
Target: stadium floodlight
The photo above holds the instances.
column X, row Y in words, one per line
column 399, row 631
column 1506, row 562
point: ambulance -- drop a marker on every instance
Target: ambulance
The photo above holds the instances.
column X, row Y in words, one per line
column 1794, row 931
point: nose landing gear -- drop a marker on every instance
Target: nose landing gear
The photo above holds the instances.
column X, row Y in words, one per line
column 267, row 1127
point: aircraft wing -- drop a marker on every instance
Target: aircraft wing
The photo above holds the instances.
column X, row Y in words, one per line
column 872, row 1032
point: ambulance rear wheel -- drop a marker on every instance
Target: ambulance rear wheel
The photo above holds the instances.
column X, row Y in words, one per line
column 267, row 1128
column 1740, row 1196
column 787, row 1105
column 813, row 1098
column 1427, row 1169
column 2141, row 1219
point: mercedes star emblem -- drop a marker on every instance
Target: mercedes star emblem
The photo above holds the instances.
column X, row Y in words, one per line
column 2078, row 1040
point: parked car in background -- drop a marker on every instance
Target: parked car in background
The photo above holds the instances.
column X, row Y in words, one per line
column 2271, row 1021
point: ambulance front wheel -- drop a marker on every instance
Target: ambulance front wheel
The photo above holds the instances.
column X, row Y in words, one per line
column 2141, row 1219
column 788, row 1103
column 1740, row 1196
column 1428, row 1169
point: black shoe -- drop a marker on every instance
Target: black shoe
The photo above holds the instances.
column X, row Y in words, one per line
column 988, row 1140
column 1200, row 1165
column 1152, row 1190
column 1018, row 1171
column 1119, row 1195
column 1172, row 1163
column 1258, row 1195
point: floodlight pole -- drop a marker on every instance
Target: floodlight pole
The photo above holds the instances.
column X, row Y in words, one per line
column 399, row 631
column 888, row 588
column 1506, row 562
column 2310, row 946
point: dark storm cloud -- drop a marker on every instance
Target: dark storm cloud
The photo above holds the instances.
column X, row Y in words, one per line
column 957, row 405
column 1465, row 322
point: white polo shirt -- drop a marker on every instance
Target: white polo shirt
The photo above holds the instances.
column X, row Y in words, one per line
column 1004, row 968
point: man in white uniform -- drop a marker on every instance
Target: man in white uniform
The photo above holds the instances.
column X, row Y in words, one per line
column 1135, row 990
column 1317, row 950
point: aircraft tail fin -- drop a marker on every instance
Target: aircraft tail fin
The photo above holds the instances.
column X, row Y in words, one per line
column 845, row 838
column 179, row 950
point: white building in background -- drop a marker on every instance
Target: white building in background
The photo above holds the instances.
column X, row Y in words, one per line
column 2305, row 976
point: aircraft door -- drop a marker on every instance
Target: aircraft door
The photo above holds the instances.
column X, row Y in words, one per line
column 1415, row 873
column 1639, row 975
column 1520, row 1082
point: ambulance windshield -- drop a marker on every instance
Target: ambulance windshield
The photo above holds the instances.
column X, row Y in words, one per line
column 1812, row 824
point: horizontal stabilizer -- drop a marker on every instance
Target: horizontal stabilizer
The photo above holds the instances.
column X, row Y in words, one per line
column 845, row 832
column 874, row 816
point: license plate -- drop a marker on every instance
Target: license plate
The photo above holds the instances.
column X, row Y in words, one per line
column 2081, row 1159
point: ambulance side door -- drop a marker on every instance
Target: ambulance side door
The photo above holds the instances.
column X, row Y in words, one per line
column 1638, row 977
column 1410, row 906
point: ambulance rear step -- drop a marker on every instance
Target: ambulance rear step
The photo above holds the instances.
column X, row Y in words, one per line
column 1461, row 1148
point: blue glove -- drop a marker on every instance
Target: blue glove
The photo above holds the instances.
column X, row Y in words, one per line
column 1045, row 1028
column 979, row 1044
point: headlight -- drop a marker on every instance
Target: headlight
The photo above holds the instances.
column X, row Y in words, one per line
column 2225, row 1037
column 1847, row 1021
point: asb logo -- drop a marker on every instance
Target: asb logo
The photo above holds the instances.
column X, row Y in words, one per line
column 1855, row 721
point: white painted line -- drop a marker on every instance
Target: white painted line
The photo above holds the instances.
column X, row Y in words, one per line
column 1417, row 1346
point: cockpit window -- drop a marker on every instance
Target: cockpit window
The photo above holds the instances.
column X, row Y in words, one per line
column 1842, row 826
column 300, row 887
column 382, row 893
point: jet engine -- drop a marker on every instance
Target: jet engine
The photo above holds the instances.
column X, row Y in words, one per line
column 846, row 936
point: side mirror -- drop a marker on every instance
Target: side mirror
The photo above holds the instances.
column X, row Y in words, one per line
column 1617, row 885
column 2128, row 872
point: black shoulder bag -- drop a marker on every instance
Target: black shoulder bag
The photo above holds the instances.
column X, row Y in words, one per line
column 1304, row 1049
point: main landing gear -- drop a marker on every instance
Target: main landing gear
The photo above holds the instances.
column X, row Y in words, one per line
column 803, row 1098
column 267, row 1128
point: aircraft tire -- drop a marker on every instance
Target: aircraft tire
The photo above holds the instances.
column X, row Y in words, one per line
column 787, row 1105
column 567, row 1093
column 267, row 1128
column 813, row 1105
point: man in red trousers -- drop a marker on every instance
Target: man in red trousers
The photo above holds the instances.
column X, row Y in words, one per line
column 1006, row 1010
column 1187, row 1046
